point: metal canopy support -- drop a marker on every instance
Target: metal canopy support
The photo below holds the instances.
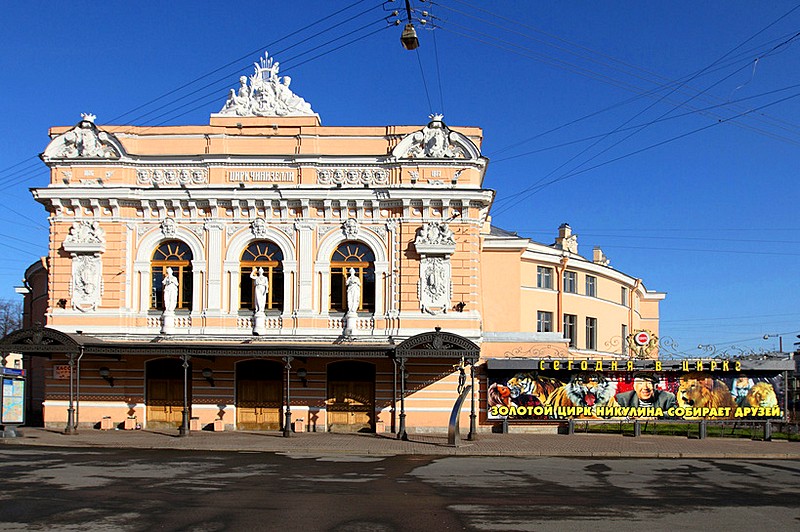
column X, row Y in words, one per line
column 394, row 395
column 70, row 429
column 472, row 436
column 183, row 431
column 401, row 432
column 287, row 425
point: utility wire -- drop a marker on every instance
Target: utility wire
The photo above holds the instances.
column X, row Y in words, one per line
column 580, row 55
column 225, row 80
column 663, row 119
column 219, row 98
column 237, row 60
column 535, row 187
column 630, row 154
column 438, row 70
column 424, row 82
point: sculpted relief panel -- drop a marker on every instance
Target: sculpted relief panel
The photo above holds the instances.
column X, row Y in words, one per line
column 435, row 243
column 87, row 282
column 171, row 176
column 353, row 176
column 435, row 286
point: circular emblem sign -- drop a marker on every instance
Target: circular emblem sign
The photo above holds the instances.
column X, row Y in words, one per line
column 642, row 338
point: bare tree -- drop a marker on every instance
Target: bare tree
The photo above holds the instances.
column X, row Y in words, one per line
column 10, row 316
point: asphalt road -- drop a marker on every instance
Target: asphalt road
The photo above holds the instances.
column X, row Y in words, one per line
column 133, row 490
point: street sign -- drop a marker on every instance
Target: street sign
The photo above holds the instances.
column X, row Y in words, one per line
column 641, row 338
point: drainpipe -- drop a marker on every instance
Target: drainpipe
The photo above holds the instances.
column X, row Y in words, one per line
column 631, row 299
column 78, row 389
column 559, row 325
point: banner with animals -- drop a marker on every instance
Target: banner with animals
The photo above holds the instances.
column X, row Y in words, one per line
column 531, row 395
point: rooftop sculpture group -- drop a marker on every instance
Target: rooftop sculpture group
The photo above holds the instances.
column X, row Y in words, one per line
column 267, row 94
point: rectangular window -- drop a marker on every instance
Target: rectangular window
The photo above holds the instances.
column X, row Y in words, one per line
column 544, row 277
column 571, row 329
column 591, row 286
column 591, row 333
column 570, row 282
column 624, row 339
column 544, row 321
column 624, row 295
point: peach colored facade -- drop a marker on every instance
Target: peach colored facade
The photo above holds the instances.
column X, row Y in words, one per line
column 412, row 196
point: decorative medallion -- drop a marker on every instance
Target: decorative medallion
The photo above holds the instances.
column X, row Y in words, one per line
column 259, row 228
column 352, row 176
column 350, row 228
column 171, row 176
column 168, row 227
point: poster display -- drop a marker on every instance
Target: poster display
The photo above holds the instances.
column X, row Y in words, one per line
column 13, row 401
column 576, row 394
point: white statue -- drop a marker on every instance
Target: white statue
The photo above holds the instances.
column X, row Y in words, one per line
column 170, row 283
column 261, row 288
column 353, row 292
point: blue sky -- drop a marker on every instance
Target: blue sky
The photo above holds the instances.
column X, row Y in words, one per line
column 666, row 133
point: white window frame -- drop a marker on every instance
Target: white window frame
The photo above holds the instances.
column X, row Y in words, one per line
column 591, row 286
column 544, row 321
column 591, row 333
column 570, row 282
column 544, row 277
column 571, row 329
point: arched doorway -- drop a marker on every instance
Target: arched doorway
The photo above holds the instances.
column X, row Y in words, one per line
column 259, row 395
column 164, row 392
column 351, row 397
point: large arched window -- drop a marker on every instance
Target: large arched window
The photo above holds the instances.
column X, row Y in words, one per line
column 359, row 257
column 266, row 255
column 176, row 255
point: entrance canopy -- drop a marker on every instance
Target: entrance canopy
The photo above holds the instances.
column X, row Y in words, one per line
column 438, row 344
column 45, row 341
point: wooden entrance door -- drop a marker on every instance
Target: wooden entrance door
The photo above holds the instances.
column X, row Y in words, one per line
column 164, row 393
column 259, row 395
column 351, row 397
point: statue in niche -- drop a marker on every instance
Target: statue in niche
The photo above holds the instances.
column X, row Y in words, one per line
column 170, row 284
column 353, row 292
column 261, row 283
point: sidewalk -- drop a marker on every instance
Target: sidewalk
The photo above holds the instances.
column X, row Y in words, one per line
column 486, row 444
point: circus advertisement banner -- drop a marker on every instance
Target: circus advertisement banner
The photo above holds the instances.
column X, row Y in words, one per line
column 548, row 395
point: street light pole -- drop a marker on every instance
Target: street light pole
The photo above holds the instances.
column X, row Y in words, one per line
column 780, row 340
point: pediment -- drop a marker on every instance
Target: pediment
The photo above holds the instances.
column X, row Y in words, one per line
column 436, row 141
column 84, row 141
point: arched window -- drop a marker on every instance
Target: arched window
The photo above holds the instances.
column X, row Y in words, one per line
column 266, row 255
column 176, row 255
column 359, row 257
